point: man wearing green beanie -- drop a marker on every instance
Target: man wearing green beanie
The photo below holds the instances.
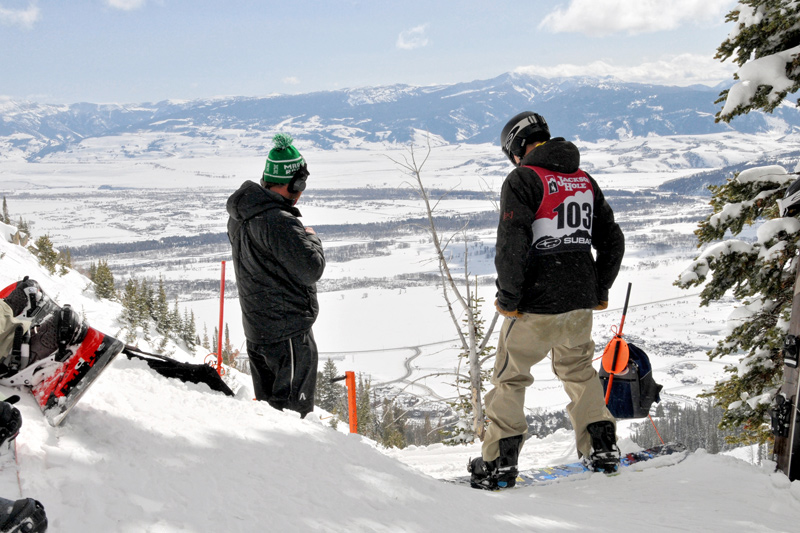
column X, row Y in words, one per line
column 277, row 262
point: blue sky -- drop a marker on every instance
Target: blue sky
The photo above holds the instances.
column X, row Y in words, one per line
column 65, row 51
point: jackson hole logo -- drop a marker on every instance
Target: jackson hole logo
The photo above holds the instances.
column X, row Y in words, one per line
column 552, row 185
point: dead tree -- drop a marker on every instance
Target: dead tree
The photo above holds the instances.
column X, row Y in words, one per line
column 454, row 295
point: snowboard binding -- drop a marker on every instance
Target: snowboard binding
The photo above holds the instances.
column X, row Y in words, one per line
column 791, row 351
column 781, row 415
column 47, row 343
column 22, row 516
column 605, row 452
column 24, row 300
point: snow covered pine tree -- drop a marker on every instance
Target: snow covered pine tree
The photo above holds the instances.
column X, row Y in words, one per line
column 760, row 275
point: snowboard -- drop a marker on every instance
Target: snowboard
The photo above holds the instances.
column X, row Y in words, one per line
column 59, row 381
column 551, row 474
column 786, row 449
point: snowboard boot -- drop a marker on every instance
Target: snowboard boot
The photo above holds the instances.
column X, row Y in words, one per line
column 55, row 333
column 605, row 452
column 10, row 420
column 22, row 516
column 25, row 298
column 500, row 473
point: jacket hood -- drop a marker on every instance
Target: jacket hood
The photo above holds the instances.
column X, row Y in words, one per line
column 251, row 200
column 556, row 154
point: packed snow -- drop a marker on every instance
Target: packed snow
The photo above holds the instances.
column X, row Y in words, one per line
column 144, row 453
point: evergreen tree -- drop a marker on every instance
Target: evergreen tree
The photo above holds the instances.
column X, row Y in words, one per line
column 44, row 252
column 23, row 227
column 190, row 329
column 104, row 281
column 148, row 298
column 5, row 217
column 227, row 349
column 366, row 416
column 695, row 426
column 64, row 260
column 393, row 425
column 130, row 303
column 331, row 394
column 92, row 270
column 174, row 321
column 205, row 343
column 161, row 309
column 760, row 275
column 765, row 38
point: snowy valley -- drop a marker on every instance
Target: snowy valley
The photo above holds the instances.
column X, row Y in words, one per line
column 144, row 453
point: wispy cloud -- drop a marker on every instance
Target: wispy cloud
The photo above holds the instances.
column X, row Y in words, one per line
column 24, row 18
column 680, row 70
column 291, row 80
column 413, row 38
column 126, row 5
column 607, row 17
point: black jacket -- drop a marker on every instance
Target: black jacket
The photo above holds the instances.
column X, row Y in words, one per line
column 559, row 282
column 277, row 264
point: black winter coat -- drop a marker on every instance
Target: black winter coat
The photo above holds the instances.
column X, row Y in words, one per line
column 559, row 282
column 277, row 264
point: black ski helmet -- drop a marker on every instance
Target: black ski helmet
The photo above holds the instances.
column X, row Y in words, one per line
column 523, row 129
column 789, row 206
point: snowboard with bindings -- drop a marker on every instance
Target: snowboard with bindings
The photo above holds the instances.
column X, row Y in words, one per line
column 552, row 474
column 80, row 353
column 786, row 449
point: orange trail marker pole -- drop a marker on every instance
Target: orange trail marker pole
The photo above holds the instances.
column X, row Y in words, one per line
column 350, row 381
column 221, row 314
column 615, row 360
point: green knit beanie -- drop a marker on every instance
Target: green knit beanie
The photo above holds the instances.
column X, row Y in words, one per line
column 283, row 160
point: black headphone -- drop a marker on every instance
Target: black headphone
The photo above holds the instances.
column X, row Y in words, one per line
column 298, row 181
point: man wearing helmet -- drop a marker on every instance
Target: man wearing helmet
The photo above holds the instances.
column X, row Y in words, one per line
column 548, row 283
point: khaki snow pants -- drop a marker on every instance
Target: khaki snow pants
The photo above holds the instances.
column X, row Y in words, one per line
column 524, row 342
column 7, row 326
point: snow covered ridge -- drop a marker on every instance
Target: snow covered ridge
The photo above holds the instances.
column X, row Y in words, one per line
column 12, row 234
column 470, row 112
column 144, row 453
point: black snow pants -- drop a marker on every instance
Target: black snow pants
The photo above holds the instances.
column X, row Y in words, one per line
column 285, row 373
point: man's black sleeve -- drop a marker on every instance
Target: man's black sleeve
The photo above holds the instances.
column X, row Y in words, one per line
column 300, row 253
column 514, row 238
column 608, row 240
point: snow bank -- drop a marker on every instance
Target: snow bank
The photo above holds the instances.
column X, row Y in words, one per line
column 142, row 453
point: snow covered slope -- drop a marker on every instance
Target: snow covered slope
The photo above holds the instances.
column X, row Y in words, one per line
column 144, row 453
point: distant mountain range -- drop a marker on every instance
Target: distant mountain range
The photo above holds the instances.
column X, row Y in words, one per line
column 588, row 109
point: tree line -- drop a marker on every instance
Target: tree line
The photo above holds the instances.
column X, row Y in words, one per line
column 386, row 420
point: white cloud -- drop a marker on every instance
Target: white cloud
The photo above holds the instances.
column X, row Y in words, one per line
column 24, row 18
column 413, row 38
column 606, row 17
column 680, row 70
column 291, row 80
column 126, row 5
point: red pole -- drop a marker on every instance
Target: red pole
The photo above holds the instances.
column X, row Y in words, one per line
column 350, row 380
column 221, row 314
column 617, row 345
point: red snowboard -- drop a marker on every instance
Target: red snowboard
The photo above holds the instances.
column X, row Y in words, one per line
column 57, row 382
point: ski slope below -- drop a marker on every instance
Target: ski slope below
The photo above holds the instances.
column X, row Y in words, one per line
column 142, row 453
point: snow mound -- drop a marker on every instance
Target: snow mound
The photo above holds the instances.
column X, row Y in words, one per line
column 144, row 453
